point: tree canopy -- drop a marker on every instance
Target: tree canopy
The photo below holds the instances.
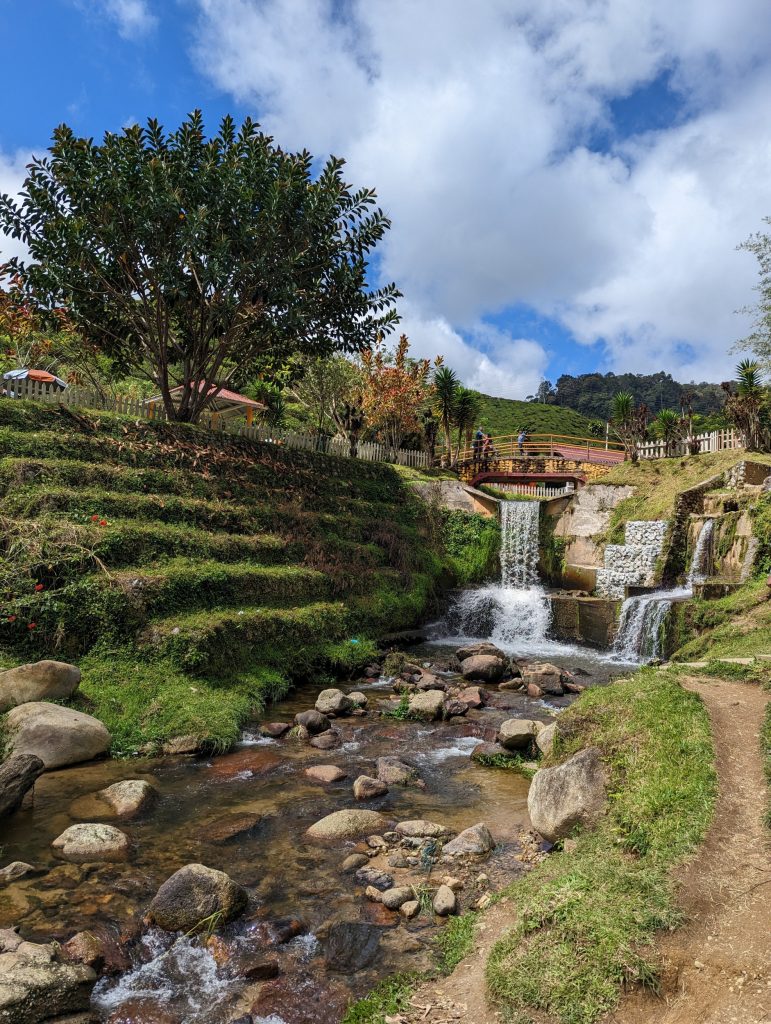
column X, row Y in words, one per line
column 190, row 259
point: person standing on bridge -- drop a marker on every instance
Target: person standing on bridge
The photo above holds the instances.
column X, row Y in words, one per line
column 521, row 441
column 476, row 446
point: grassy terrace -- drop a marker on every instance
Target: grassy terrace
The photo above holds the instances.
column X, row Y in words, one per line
column 194, row 577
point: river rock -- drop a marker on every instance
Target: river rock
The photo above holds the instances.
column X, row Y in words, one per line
column 360, row 700
column 392, row 899
column 17, row 869
column 484, row 647
column 351, row 946
column 419, row 828
column 445, row 901
column 313, row 721
column 92, row 842
column 100, row 949
column 39, row 681
column 570, row 795
column 274, row 730
column 17, row 776
column 353, row 862
column 195, row 893
column 472, row 697
column 517, row 733
column 545, row 738
column 410, row 909
column 328, row 740
column 366, row 788
column 57, row 735
column 427, row 705
column 474, row 841
column 188, row 744
column 455, row 708
column 34, row 982
column 381, row 880
column 428, row 681
column 347, row 824
column 545, row 676
column 239, row 825
column 487, row 668
column 129, row 798
column 325, row 773
column 483, row 751
column 333, row 703
column 394, row 772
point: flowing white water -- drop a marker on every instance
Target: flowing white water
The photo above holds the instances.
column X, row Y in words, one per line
column 641, row 627
column 515, row 614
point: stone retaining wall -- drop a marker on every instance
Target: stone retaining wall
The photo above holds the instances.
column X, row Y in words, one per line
column 634, row 562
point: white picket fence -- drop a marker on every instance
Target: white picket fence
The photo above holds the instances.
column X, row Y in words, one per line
column 536, row 490
column 714, row 441
column 86, row 398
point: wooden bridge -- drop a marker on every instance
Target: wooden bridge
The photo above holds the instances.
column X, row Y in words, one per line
column 550, row 459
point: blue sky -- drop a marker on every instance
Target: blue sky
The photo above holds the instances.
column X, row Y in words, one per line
column 567, row 179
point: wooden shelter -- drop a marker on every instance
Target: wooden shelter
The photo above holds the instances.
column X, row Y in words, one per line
column 225, row 405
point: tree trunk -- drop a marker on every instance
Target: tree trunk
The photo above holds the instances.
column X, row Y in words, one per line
column 18, row 774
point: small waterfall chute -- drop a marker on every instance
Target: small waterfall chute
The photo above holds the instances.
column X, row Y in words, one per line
column 642, row 623
column 515, row 613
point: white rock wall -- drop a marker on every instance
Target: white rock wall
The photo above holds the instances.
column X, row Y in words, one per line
column 632, row 564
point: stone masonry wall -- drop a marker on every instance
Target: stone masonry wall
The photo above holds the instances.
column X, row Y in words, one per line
column 632, row 564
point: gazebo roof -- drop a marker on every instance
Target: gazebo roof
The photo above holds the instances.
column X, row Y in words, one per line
column 225, row 403
column 41, row 376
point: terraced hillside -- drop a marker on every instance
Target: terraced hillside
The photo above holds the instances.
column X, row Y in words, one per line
column 193, row 577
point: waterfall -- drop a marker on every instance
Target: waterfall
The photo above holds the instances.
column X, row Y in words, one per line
column 515, row 613
column 640, row 635
column 701, row 561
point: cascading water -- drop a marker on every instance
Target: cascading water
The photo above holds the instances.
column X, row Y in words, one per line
column 640, row 635
column 516, row 612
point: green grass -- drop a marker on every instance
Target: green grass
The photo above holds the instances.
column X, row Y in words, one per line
column 586, row 920
column 456, row 940
column 472, row 543
column 510, row 763
column 509, row 416
column 194, row 576
column 390, row 997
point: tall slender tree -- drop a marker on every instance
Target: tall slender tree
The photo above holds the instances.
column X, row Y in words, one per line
column 629, row 422
column 446, row 385
column 467, row 409
column 745, row 403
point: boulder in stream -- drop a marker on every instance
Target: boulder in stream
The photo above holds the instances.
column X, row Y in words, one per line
column 475, row 841
column 325, row 773
column 334, row 703
column 572, row 794
column 58, row 736
column 545, row 676
column 329, row 740
column 313, row 721
column 34, row 982
column 367, row 788
column 484, row 668
column 427, row 705
column 194, row 894
column 517, row 733
column 92, row 842
column 473, row 697
column 419, row 828
column 393, row 899
column 274, row 730
column 545, row 738
column 41, row 680
column 17, row 775
column 122, row 800
column 445, row 901
column 347, row 824
column 483, row 647
column 395, row 772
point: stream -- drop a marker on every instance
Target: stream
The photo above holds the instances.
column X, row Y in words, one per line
column 246, row 812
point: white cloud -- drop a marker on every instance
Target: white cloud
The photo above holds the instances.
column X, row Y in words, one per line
column 12, row 174
column 475, row 122
column 133, row 17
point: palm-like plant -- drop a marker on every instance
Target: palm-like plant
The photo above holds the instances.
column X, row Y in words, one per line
column 744, row 406
column 669, row 427
column 629, row 422
column 446, row 386
column 467, row 409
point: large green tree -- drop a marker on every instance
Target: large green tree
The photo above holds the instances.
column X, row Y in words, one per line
column 189, row 258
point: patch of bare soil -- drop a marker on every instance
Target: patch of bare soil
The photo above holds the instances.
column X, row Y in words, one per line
column 717, row 967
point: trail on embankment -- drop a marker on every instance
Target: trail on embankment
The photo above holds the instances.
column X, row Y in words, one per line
column 717, row 967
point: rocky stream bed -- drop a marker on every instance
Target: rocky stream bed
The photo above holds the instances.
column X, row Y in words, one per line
column 281, row 880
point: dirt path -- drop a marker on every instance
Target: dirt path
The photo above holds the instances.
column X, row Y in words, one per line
column 718, row 966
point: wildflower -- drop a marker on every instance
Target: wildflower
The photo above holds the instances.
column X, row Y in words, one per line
column 39, row 587
column 11, row 618
column 103, row 522
column 94, row 519
column 32, row 625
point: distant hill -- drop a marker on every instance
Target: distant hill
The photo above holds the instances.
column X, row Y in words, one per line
column 592, row 393
column 509, row 416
